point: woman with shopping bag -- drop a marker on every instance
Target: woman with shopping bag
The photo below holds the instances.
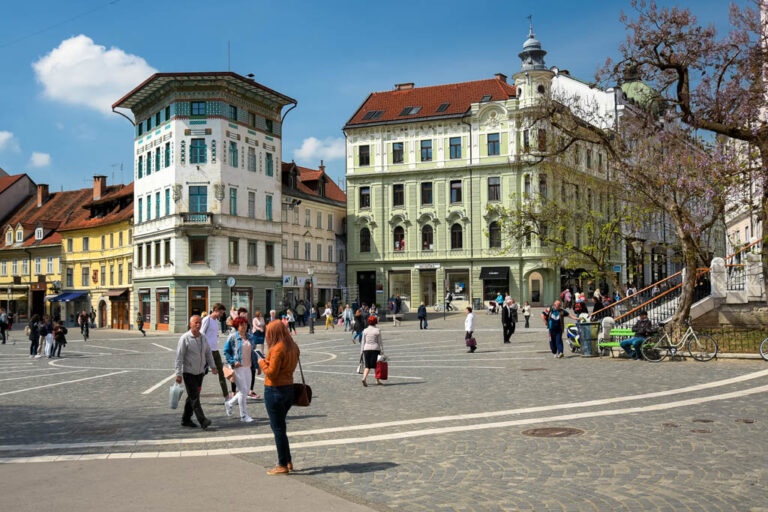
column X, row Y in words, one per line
column 371, row 346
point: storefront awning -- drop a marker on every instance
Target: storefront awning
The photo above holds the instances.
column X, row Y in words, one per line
column 67, row 297
column 119, row 292
column 494, row 273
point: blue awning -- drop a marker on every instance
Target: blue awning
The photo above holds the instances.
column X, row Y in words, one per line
column 67, row 297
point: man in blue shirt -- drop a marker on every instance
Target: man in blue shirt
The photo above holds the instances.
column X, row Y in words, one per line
column 554, row 319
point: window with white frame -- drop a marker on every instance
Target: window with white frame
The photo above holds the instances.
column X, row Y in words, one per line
column 20, row 235
column 319, row 252
column 24, row 267
column 9, row 237
column 15, row 267
column 3, row 268
column 49, row 265
column 39, row 234
column 330, row 222
column 38, row 266
column 330, row 253
column 295, row 250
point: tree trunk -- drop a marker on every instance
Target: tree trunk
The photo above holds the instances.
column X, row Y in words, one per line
column 689, row 283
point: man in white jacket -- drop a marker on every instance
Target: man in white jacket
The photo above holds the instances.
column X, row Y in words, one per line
column 469, row 328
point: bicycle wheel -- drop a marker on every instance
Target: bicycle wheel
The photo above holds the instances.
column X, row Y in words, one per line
column 764, row 349
column 654, row 349
column 702, row 347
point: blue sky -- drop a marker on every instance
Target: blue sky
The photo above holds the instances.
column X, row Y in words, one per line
column 63, row 62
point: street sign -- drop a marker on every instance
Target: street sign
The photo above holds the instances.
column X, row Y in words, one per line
column 617, row 268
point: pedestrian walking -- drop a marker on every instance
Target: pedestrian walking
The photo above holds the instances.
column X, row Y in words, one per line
column 554, row 319
column 358, row 326
column 84, row 321
column 371, row 346
column 259, row 332
column 140, row 323
column 349, row 317
column 397, row 309
column 328, row 314
column 46, row 337
column 34, row 335
column 278, row 366
column 469, row 329
column 527, row 314
column 3, row 324
column 301, row 310
column 509, row 319
column 192, row 354
column 448, row 299
column 238, row 350
column 210, row 328
column 291, row 321
column 422, row 315
column 59, row 339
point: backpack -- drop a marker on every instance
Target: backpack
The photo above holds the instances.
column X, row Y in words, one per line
column 558, row 316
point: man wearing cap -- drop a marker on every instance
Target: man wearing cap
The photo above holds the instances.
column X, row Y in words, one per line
column 642, row 330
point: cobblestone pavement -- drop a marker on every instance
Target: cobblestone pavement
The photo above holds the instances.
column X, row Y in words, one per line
column 445, row 433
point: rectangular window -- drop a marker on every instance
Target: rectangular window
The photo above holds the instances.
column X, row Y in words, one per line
column 86, row 243
column 167, row 255
column 456, row 191
column 141, row 166
column 157, row 205
column 70, row 241
column 319, row 220
column 149, row 123
column 85, row 278
column 398, row 195
column 168, row 113
column 252, row 205
column 167, row 154
column 295, row 250
column 270, row 165
column 139, row 256
column 268, row 206
column 493, row 144
column 426, row 193
column 269, row 254
column 319, row 252
column 197, row 250
column 234, row 250
column 494, row 189
column 149, row 208
column 307, row 217
column 140, row 127
column 365, row 197
column 542, row 136
column 103, row 242
column 251, row 119
column 24, row 267
column 526, row 141
column 589, row 158
column 120, row 238
column 167, row 203
column 3, row 268
column 252, row 253
column 397, row 152
column 130, row 274
column 296, row 215
column 157, row 254
column 148, row 160
column 197, row 108
column 233, row 201
column 111, row 275
column 330, row 222
column 49, row 265
column 233, row 113
column 233, row 158
column 38, row 266
column 103, row 272
column 285, row 249
column 455, row 147
column 252, row 159
column 198, row 199
column 426, row 150
column 364, row 154
column 119, row 273
column 70, row 278
column 330, row 253
column 270, row 125
column 307, row 251
column 15, row 267
column 197, row 151
column 111, row 240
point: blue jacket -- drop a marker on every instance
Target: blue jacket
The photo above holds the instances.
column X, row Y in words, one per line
column 422, row 312
column 233, row 348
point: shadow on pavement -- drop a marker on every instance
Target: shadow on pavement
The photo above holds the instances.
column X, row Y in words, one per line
column 355, row 467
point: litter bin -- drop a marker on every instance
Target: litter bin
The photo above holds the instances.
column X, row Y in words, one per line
column 588, row 338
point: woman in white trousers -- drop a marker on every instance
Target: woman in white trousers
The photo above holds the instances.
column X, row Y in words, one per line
column 239, row 354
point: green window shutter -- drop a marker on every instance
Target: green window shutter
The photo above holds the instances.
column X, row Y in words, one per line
column 483, row 145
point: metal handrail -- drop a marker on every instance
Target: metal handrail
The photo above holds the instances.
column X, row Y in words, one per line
column 638, row 292
column 743, row 249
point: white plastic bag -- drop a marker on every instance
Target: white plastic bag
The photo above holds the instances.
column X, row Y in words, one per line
column 360, row 366
column 175, row 395
column 382, row 358
column 48, row 344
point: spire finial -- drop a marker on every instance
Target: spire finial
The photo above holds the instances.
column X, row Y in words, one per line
column 530, row 25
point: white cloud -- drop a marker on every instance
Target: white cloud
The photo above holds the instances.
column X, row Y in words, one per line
column 313, row 150
column 40, row 159
column 80, row 72
column 8, row 142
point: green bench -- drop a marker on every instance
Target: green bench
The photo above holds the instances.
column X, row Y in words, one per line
column 610, row 344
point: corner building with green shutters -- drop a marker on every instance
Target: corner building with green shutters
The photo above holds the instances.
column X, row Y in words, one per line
column 423, row 164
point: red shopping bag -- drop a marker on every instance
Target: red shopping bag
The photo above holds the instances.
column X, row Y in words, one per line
column 382, row 370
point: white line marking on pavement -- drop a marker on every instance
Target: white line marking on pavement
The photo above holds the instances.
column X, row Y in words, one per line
column 397, row 423
column 158, row 384
column 60, row 383
column 111, row 348
column 162, row 347
column 331, row 358
column 42, row 375
column 407, row 434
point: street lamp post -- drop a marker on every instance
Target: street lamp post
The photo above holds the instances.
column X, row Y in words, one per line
column 311, row 272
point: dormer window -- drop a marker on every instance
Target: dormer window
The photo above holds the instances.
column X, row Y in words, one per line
column 39, row 234
column 20, row 235
column 9, row 237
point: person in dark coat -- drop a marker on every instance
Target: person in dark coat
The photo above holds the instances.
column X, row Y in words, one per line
column 34, row 335
column 422, row 315
column 509, row 319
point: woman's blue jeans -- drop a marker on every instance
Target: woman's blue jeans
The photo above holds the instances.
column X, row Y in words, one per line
column 278, row 400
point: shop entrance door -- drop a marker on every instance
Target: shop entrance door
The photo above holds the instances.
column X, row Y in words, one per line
column 366, row 286
column 428, row 280
column 102, row 314
column 198, row 301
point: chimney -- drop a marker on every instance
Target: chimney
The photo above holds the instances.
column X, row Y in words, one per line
column 99, row 187
column 501, row 76
column 322, row 166
column 404, row 87
column 42, row 194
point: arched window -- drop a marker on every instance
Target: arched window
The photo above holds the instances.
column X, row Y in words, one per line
column 399, row 237
column 427, row 238
column 456, row 237
column 494, row 235
column 365, row 240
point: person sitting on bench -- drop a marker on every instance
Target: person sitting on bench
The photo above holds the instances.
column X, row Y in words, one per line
column 642, row 330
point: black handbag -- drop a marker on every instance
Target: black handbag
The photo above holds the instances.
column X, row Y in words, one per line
column 302, row 393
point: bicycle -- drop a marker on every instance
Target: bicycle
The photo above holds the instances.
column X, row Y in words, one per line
column 701, row 347
column 764, row 349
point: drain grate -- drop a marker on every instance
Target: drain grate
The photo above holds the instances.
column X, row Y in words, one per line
column 745, row 420
column 701, row 431
column 533, row 369
column 552, row 432
column 670, row 425
column 699, row 420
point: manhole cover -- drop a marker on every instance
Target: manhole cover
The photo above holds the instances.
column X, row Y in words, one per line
column 552, row 432
column 533, row 369
column 670, row 425
column 701, row 431
column 745, row 420
column 703, row 421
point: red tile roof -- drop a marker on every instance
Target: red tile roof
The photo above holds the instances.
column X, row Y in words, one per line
column 7, row 181
column 120, row 210
column 113, row 192
column 308, row 179
column 458, row 96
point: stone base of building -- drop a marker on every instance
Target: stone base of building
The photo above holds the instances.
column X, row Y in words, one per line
column 167, row 304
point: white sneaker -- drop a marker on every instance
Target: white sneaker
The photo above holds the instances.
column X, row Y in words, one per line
column 246, row 419
column 228, row 407
column 38, row 356
column 561, row 355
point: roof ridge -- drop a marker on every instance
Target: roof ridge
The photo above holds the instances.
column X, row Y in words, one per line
column 467, row 82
